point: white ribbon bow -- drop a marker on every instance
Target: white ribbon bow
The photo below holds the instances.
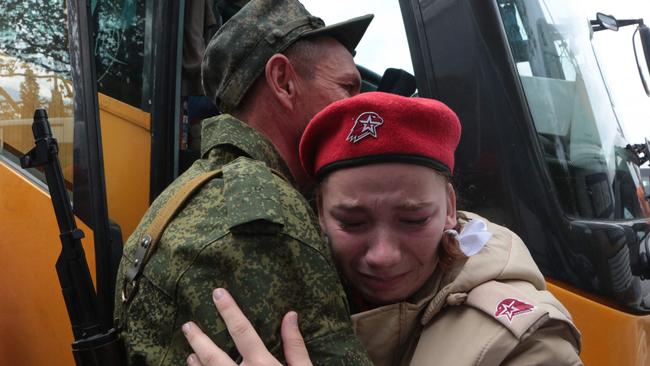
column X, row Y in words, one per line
column 473, row 237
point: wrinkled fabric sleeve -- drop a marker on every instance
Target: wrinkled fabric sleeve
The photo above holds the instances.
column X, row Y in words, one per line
column 268, row 275
column 549, row 345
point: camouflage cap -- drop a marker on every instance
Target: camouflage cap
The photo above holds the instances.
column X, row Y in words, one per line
column 238, row 52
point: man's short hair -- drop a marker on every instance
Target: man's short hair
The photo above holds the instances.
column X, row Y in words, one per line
column 303, row 55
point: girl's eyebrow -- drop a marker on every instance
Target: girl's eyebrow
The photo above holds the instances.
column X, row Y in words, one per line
column 404, row 206
column 348, row 207
column 413, row 205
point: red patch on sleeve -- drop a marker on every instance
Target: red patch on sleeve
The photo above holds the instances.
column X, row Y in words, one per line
column 511, row 308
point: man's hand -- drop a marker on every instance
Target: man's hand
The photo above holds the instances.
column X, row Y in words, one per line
column 248, row 343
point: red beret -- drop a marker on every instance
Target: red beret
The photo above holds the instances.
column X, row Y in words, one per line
column 378, row 128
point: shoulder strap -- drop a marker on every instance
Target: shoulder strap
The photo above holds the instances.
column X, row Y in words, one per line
column 151, row 235
column 252, row 198
column 149, row 239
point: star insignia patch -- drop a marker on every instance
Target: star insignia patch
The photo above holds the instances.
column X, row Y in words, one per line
column 365, row 125
column 511, row 308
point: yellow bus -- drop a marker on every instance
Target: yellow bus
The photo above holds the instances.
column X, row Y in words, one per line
column 542, row 150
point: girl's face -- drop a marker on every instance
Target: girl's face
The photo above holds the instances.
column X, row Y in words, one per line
column 385, row 222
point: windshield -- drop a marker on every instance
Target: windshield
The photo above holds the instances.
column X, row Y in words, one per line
column 579, row 134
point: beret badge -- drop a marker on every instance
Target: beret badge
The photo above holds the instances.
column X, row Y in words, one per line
column 365, row 125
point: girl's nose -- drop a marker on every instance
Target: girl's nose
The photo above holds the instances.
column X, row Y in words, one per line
column 384, row 250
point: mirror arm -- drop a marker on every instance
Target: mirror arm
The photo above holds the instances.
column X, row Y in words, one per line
column 644, row 33
column 626, row 22
column 596, row 26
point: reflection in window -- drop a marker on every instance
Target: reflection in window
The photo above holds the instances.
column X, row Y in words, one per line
column 119, row 49
column 577, row 130
column 35, row 73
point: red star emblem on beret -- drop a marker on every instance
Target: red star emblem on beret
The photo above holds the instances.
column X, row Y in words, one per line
column 511, row 308
column 365, row 125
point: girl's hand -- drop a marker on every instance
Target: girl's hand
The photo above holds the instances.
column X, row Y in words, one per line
column 247, row 341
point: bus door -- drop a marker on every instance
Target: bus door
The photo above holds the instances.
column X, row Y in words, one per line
column 137, row 58
column 135, row 81
column 38, row 71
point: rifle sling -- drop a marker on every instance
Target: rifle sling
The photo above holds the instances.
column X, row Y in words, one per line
column 149, row 240
column 151, row 236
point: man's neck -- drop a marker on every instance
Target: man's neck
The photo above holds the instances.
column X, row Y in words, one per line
column 285, row 143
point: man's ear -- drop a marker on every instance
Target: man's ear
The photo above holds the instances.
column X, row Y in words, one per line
column 451, row 219
column 281, row 80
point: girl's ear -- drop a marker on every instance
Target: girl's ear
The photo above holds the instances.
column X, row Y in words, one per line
column 451, row 219
column 281, row 80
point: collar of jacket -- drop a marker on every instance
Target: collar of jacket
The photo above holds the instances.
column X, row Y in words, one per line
column 225, row 129
column 500, row 259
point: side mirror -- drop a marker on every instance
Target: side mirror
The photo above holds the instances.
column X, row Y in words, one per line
column 604, row 21
column 607, row 21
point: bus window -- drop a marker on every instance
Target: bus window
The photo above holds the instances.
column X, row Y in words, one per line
column 579, row 133
column 35, row 73
column 120, row 50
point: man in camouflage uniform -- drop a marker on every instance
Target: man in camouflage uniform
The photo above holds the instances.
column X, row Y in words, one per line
column 273, row 65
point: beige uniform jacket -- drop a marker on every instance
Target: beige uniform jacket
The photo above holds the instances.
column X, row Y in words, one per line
column 493, row 309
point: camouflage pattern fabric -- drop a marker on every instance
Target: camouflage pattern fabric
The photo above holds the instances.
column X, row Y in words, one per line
column 237, row 53
column 228, row 8
column 250, row 232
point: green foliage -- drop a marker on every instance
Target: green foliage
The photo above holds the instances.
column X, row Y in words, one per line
column 35, row 31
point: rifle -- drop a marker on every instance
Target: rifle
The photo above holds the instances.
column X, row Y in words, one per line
column 93, row 345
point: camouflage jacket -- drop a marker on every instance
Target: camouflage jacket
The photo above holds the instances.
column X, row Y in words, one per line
column 251, row 232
